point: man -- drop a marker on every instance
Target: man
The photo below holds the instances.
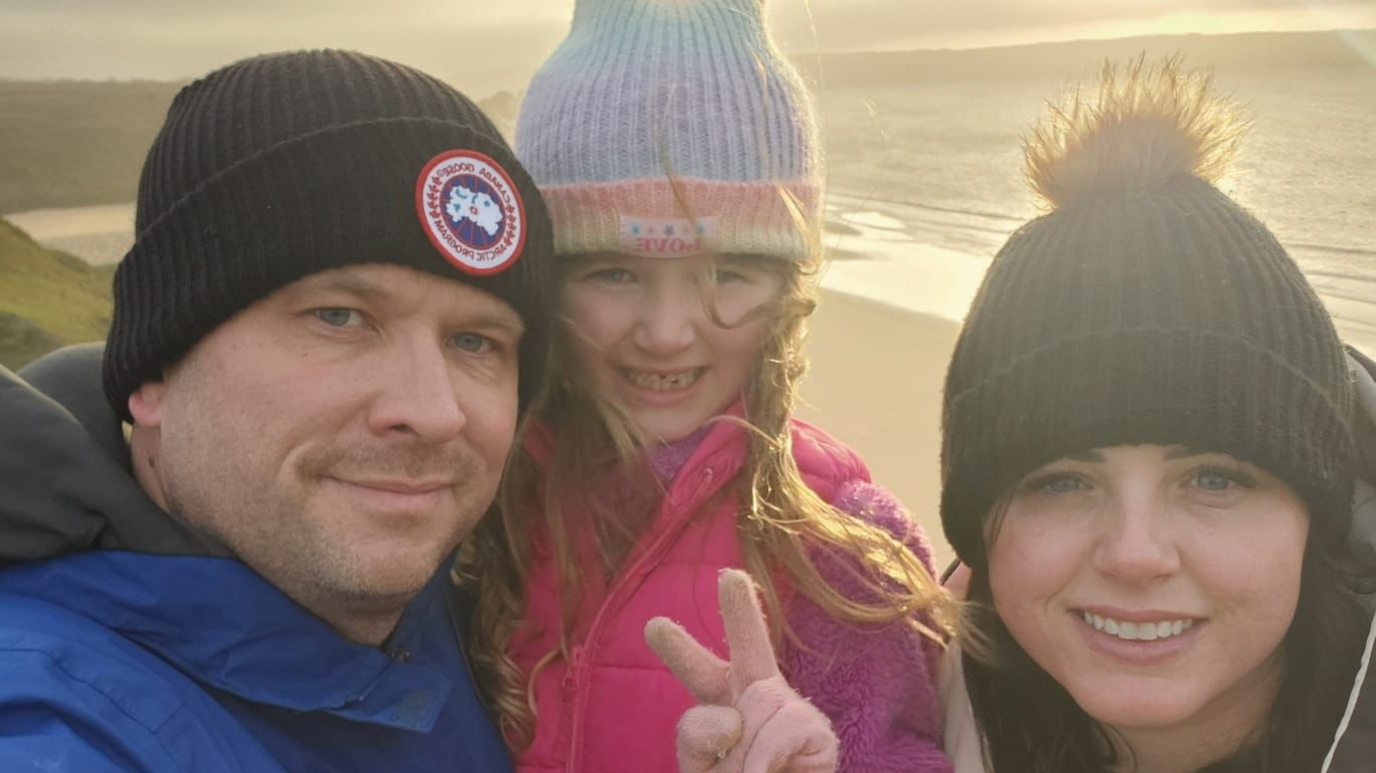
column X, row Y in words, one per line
column 322, row 337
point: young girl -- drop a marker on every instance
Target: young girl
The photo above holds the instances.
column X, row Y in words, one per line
column 678, row 154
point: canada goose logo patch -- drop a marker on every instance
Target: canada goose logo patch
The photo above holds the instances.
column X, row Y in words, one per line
column 471, row 211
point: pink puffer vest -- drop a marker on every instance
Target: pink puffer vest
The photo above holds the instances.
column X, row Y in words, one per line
column 614, row 708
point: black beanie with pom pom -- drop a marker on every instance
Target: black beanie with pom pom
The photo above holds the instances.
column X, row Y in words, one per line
column 1146, row 307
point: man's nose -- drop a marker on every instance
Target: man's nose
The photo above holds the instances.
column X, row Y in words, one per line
column 418, row 395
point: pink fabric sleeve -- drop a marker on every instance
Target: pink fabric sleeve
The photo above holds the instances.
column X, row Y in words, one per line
column 876, row 685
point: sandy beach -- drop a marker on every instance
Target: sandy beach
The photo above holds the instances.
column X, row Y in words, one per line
column 875, row 383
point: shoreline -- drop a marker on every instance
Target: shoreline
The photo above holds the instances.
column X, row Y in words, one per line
column 892, row 303
column 915, row 258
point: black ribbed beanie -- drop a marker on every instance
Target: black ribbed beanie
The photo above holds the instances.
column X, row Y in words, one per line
column 283, row 165
column 1148, row 307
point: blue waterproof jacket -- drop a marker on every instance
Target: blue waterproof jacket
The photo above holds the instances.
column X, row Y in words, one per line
column 136, row 646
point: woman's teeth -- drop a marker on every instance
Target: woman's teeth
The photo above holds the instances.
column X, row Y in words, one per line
column 663, row 382
column 1137, row 631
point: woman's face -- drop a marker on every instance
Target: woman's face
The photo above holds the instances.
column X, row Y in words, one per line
column 644, row 335
column 1154, row 583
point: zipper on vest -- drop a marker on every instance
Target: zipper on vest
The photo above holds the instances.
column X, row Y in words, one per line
column 572, row 678
column 570, row 700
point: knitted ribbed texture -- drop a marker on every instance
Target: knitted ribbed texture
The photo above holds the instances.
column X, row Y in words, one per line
column 642, row 91
column 1173, row 318
column 283, row 165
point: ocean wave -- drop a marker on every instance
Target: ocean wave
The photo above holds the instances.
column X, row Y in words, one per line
column 1336, row 249
column 1321, row 277
column 1012, row 221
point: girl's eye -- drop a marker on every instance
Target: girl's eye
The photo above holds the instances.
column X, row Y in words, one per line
column 339, row 317
column 725, row 276
column 473, row 342
column 612, row 275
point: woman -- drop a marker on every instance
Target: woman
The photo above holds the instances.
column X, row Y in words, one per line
column 1148, row 462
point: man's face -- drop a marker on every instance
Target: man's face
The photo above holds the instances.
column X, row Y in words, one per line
column 342, row 434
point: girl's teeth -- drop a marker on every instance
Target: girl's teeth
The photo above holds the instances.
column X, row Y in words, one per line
column 662, row 382
column 1137, row 631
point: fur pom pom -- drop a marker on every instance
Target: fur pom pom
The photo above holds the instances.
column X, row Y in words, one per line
column 1145, row 126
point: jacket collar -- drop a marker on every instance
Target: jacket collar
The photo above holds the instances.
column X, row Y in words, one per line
column 538, row 438
column 66, row 485
column 228, row 628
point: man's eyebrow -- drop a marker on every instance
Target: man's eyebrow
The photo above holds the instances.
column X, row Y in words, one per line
column 350, row 284
column 378, row 292
column 497, row 319
column 1184, row 452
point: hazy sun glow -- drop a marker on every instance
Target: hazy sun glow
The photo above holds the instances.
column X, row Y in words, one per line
column 488, row 46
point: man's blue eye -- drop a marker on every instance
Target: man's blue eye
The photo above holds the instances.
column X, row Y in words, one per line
column 336, row 317
column 1213, row 481
column 472, row 342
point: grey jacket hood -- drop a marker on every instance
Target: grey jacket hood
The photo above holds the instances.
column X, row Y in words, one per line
column 1363, row 538
column 1354, row 748
column 65, row 484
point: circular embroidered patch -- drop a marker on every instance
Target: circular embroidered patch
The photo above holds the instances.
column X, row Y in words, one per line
column 471, row 211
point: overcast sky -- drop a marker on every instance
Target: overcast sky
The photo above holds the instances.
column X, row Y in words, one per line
column 486, row 45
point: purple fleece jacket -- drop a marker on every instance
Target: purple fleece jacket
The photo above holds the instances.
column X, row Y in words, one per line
column 877, row 685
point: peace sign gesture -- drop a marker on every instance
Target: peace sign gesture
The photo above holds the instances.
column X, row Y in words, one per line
column 749, row 720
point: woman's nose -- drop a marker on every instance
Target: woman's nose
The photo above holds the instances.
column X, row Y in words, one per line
column 1138, row 544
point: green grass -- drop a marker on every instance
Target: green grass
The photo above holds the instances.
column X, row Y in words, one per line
column 79, row 143
column 47, row 298
column 71, row 144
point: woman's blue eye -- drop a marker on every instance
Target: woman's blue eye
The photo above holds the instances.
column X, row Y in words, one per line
column 1062, row 484
column 1219, row 481
column 336, row 317
column 472, row 342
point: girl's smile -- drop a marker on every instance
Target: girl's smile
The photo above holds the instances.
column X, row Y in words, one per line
column 671, row 341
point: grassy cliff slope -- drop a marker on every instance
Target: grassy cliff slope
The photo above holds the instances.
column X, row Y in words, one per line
column 47, row 298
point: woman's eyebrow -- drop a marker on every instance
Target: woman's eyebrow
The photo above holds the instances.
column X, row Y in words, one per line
column 1086, row 456
column 1184, row 452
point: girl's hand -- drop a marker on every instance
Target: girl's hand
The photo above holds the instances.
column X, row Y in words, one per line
column 749, row 720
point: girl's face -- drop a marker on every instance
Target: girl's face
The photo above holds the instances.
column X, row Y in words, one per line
column 1154, row 583
column 645, row 336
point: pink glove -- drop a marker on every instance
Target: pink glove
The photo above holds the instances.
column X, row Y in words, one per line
column 748, row 719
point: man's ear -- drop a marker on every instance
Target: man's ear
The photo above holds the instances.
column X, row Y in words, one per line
column 145, row 403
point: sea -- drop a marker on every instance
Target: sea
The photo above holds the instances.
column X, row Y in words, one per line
column 925, row 183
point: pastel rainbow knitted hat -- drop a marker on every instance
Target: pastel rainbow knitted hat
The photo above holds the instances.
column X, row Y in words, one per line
column 671, row 127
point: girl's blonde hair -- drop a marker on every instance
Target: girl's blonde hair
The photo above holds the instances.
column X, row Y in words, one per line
column 781, row 522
